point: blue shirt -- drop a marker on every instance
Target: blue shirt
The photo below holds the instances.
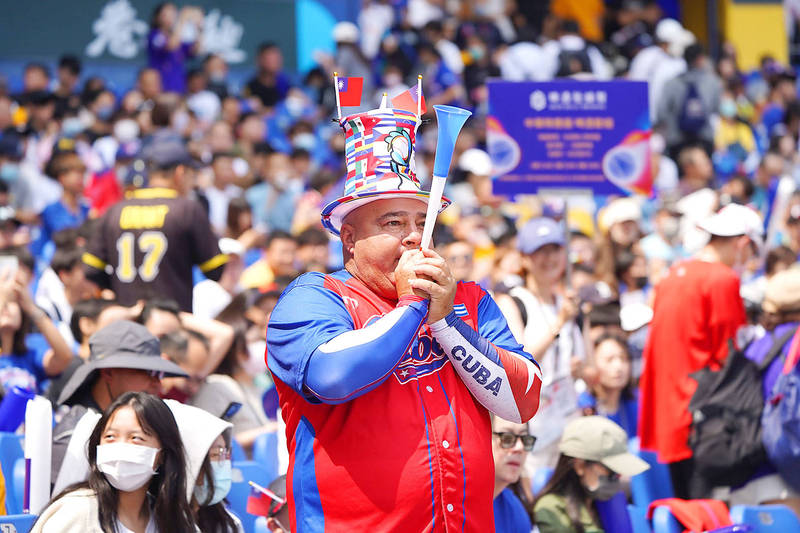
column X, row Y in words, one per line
column 25, row 370
column 58, row 216
column 169, row 63
column 509, row 514
column 627, row 414
column 275, row 213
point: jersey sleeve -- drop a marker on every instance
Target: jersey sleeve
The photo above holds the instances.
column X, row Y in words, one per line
column 205, row 245
column 492, row 364
column 314, row 347
column 96, row 257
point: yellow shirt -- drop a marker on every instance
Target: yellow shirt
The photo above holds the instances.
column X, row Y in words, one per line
column 729, row 133
column 257, row 275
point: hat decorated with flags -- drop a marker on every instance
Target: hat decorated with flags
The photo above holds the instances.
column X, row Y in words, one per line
column 379, row 148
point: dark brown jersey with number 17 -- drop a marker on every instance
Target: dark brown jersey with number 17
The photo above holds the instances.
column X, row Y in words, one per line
column 146, row 245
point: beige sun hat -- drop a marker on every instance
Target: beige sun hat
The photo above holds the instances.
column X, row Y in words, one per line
column 598, row 439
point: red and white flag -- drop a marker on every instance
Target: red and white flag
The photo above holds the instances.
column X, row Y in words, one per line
column 407, row 100
column 350, row 91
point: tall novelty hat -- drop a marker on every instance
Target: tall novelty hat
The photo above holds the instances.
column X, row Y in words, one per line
column 379, row 148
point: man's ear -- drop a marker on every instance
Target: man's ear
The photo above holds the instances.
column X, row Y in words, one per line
column 348, row 237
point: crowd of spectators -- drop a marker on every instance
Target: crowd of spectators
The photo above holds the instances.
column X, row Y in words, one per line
column 262, row 159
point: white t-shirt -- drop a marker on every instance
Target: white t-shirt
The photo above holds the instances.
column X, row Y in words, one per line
column 151, row 527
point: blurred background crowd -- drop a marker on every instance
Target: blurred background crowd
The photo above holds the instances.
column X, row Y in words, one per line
column 266, row 157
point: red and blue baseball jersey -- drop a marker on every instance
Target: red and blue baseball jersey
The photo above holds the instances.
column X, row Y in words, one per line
column 387, row 418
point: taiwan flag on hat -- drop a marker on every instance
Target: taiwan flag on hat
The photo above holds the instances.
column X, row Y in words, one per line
column 350, row 91
column 407, row 100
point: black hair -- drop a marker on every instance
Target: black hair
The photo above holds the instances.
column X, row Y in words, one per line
column 747, row 185
column 170, row 510
column 692, row 53
column 279, row 234
column 175, row 344
column 161, row 113
column 230, row 363
column 65, row 259
column 196, row 335
column 71, row 63
column 434, row 26
column 779, row 254
column 263, row 148
column 300, row 153
column 627, row 391
column 64, row 239
column 313, row 236
column 236, row 207
column 266, row 45
column 622, row 262
column 86, row 309
column 565, row 482
column 162, row 304
column 570, row 26
column 157, row 13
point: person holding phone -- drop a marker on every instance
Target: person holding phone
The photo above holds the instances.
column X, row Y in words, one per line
column 175, row 36
column 20, row 363
column 137, row 478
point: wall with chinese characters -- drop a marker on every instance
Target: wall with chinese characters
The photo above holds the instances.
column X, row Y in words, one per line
column 110, row 36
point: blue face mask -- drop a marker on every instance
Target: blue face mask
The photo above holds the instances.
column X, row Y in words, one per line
column 9, row 172
column 222, row 473
column 71, row 126
column 105, row 112
column 727, row 108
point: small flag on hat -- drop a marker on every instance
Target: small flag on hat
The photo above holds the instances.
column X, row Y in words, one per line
column 350, row 91
column 407, row 100
column 263, row 502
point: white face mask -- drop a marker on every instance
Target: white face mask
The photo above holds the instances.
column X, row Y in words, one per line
column 127, row 467
column 255, row 364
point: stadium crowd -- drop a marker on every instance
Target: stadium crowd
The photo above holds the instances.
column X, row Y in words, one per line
column 619, row 310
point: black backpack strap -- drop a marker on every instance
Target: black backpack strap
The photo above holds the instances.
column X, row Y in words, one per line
column 521, row 307
column 776, row 349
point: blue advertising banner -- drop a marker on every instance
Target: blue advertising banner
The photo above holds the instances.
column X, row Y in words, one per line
column 569, row 134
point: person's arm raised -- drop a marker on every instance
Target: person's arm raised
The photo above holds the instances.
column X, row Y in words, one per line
column 505, row 380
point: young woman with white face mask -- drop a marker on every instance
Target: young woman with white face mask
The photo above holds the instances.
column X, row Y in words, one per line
column 137, row 478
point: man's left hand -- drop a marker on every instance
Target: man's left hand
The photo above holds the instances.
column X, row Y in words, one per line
column 439, row 285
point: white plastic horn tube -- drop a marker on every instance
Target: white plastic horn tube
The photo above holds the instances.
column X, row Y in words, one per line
column 38, row 441
column 434, row 204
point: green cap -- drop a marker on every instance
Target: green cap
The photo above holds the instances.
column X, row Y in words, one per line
column 598, row 439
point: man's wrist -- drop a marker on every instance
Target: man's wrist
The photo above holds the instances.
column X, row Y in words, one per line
column 442, row 323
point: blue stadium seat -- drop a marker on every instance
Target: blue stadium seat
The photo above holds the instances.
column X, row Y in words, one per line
column 244, row 471
column 639, row 521
column 10, row 452
column 652, row 484
column 540, row 479
column 766, row 518
column 21, row 523
column 664, row 522
column 265, row 453
column 17, row 487
column 613, row 514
